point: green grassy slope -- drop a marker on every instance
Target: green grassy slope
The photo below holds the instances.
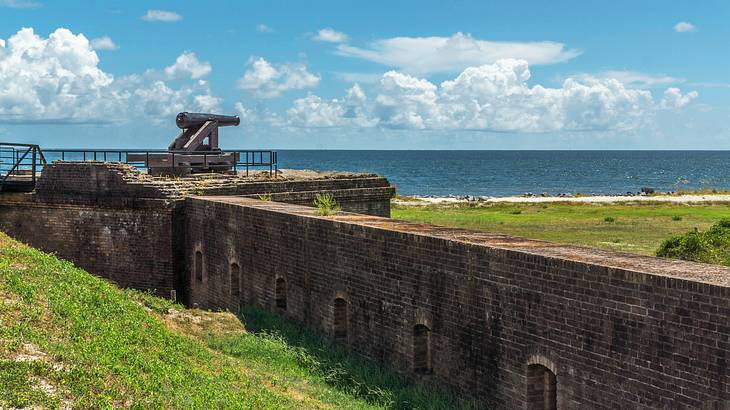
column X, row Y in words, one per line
column 68, row 338
column 637, row 228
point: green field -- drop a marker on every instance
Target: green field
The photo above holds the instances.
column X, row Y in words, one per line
column 69, row 339
column 637, row 228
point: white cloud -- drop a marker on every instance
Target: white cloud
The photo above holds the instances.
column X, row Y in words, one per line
column 330, row 36
column 684, row 27
column 314, row 112
column 161, row 15
column 52, row 79
column 263, row 28
column 635, row 78
column 103, row 43
column 267, row 80
column 424, row 55
column 673, row 98
column 491, row 97
column 57, row 79
column 160, row 103
column 187, row 65
column 20, row 4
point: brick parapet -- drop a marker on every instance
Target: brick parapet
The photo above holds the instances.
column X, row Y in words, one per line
column 619, row 330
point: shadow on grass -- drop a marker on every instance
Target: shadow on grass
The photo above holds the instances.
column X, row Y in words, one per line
column 345, row 372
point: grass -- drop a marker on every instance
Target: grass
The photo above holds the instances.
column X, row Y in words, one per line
column 69, row 339
column 636, row 228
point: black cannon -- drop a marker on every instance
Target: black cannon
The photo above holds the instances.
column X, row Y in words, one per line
column 197, row 127
column 196, row 119
column 195, row 149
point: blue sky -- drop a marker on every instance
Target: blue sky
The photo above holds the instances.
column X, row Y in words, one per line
column 370, row 75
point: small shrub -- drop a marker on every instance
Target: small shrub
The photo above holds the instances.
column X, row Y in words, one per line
column 609, row 219
column 326, row 204
column 676, row 218
column 711, row 246
column 265, row 197
column 516, row 211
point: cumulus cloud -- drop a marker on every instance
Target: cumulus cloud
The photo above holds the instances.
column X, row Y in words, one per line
column 57, row 79
column 490, row 97
column 312, row 111
column 53, row 78
column 161, row 15
column 160, row 103
column 424, row 55
column 103, row 43
column 673, row 98
column 187, row 65
column 20, row 4
column 330, row 35
column 684, row 27
column 266, row 80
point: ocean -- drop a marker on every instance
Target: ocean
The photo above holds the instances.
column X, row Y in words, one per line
column 505, row 173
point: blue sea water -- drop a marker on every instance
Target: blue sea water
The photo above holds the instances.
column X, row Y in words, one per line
column 503, row 173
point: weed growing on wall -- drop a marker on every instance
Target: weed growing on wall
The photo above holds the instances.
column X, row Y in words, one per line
column 326, row 204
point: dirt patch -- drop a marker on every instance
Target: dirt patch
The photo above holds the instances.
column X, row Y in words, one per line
column 28, row 352
column 201, row 323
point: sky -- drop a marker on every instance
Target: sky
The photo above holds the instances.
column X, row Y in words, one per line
column 369, row 75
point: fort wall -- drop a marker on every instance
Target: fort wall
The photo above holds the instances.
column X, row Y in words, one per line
column 125, row 226
column 515, row 322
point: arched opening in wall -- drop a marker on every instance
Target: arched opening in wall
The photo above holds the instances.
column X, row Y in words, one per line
column 199, row 266
column 541, row 388
column 340, row 320
column 235, row 285
column 421, row 349
column 280, row 293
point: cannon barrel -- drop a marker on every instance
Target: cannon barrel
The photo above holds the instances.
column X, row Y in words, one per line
column 191, row 119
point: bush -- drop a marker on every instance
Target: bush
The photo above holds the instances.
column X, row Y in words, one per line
column 676, row 218
column 609, row 219
column 711, row 246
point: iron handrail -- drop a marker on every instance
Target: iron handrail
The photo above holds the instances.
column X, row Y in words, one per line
column 253, row 158
column 15, row 161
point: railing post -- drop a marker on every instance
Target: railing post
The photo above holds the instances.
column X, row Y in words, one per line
column 32, row 167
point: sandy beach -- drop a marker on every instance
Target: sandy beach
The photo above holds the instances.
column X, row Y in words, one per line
column 417, row 200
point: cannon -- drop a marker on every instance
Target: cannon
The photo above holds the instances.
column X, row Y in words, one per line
column 195, row 149
column 197, row 127
column 194, row 119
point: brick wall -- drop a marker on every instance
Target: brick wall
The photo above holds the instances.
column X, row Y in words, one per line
column 132, row 246
column 514, row 322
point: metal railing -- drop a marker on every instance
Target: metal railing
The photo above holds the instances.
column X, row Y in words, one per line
column 240, row 160
column 20, row 165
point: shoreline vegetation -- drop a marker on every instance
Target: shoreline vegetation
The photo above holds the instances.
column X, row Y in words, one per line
column 629, row 224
